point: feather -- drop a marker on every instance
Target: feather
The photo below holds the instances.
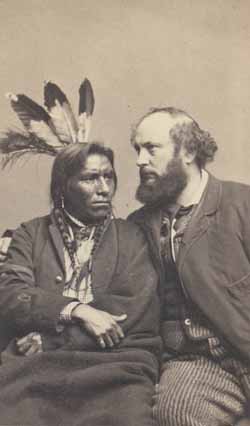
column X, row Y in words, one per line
column 15, row 144
column 86, row 108
column 60, row 112
column 11, row 159
column 34, row 118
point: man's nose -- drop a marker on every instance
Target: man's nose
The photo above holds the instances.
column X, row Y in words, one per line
column 103, row 187
column 143, row 158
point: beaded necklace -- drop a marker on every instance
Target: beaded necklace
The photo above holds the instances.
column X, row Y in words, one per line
column 94, row 232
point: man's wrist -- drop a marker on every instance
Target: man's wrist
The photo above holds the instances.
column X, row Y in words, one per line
column 80, row 311
column 66, row 313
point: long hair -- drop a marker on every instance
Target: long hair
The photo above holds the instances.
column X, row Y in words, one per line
column 69, row 162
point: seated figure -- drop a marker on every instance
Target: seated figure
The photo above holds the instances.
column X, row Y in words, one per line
column 79, row 307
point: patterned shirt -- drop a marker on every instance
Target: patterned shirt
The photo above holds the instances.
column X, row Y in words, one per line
column 82, row 291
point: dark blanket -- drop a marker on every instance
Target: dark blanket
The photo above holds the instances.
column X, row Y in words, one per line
column 63, row 388
column 73, row 382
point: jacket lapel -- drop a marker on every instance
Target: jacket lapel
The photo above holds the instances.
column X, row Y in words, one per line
column 149, row 221
column 57, row 243
column 200, row 220
column 105, row 259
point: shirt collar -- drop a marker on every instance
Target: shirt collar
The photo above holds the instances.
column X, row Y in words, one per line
column 198, row 194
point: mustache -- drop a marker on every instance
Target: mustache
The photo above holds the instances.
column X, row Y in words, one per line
column 146, row 173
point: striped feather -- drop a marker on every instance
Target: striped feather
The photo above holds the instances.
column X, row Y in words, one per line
column 86, row 108
column 34, row 117
column 60, row 112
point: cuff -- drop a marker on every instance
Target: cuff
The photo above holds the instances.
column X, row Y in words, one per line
column 65, row 314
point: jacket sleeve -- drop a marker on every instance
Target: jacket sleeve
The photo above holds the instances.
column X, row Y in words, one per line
column 24, row 306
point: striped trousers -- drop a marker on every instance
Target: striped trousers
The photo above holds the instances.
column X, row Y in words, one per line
column 198, row 392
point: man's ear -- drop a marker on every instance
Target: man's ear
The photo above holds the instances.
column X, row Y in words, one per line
column 190, row 157
column 187, row 156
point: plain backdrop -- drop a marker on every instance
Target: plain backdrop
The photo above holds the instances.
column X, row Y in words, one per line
column 192, row 54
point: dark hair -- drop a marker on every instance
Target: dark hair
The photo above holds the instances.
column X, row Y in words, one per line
column 69, row 161
column 186, row 134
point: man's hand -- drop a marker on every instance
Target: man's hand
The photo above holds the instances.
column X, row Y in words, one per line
column 100, row 324
column 30, row 344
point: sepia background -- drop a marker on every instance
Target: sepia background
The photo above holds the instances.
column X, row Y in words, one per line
column 192, row 54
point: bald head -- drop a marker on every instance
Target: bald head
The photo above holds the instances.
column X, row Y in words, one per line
column 157, row 125
column 158, row 116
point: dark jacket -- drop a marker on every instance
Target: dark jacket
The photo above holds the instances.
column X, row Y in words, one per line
column 214, row 259
column 32, row 279
column 74, row 381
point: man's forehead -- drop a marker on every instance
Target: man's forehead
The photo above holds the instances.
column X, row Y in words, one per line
column 96, row 162
column 157, row 126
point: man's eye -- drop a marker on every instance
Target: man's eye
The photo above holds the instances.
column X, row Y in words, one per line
column 109, row 176
column 152, row 149
column 90, row 178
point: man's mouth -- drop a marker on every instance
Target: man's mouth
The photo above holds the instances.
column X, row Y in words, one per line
column 101, row 203
column 147, row 176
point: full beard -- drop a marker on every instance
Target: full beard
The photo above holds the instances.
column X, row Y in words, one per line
column 165, row 189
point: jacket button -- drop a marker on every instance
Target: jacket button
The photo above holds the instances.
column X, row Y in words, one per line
column 59, row 328
column 3, row 275
column 59, row 279
column 23, row 297
column 187, row 321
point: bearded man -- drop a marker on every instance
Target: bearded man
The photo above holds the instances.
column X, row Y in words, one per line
column 198, row 231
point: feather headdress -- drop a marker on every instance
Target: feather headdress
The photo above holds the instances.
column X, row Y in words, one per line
column 49, row 128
